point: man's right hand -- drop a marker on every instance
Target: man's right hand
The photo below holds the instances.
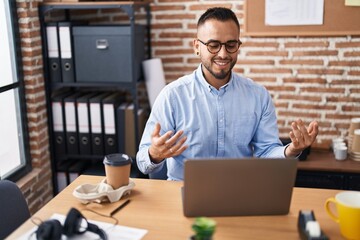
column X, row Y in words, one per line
column 167, row 145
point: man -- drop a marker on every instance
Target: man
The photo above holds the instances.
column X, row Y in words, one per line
column 213, row 112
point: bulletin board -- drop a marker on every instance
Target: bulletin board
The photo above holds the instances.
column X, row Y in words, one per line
column 339, row 20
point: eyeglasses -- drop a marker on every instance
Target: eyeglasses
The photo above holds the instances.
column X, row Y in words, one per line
column 214, row 46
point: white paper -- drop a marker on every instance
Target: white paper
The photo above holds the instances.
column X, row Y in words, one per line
column 154, row 78
column 65, row 42
column 113, row 232
column 294, row 12
column 57, row 117
column 95, row 117
column 83, row 117
column 355, row 3
column 109, row 118
column 52, row 41
column 70, row 117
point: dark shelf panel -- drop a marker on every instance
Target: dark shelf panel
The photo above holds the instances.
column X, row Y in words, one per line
column 101, row 85
column 130, row 5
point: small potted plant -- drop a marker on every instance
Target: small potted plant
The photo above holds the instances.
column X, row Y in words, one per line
column 204, row 228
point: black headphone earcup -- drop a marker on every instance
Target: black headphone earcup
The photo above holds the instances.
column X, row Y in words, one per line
column 49, row 230
column 72, row 223
column 95, row 229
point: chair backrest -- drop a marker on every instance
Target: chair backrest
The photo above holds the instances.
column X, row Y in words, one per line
column 13, row 208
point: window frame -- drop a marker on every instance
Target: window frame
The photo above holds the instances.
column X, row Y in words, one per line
column 14, row 32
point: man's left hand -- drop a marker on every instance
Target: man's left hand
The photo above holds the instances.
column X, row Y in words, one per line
column 301, row 137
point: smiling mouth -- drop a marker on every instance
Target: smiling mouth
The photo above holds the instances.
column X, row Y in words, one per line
column 221, row 63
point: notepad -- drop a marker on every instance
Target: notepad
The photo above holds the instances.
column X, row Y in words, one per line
column 113, row 232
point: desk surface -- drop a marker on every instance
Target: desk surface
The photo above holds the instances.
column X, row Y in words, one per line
column 156, row 206
column 325, row 161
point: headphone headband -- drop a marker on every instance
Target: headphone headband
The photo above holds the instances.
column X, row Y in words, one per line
column 52, row 229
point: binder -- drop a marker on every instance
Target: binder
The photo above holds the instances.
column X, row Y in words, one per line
column 72, row 141
column 58, row 116
column 53, row 52
column 130, row 146
column 67, row 61
column 109, row 109
column 83, row 116
column 76, row 169
column 96, row 132
column 121, row 126
column 62, row 175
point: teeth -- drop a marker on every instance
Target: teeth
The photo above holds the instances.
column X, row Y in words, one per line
column 221, row 63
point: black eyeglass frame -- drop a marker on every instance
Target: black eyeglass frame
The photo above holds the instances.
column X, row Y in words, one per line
column 221, row 44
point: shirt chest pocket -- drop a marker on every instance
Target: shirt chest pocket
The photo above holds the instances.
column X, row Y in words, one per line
column 244, row 130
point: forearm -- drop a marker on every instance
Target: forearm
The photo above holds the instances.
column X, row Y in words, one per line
column 144, row 162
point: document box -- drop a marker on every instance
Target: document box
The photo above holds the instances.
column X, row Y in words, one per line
column 103, row 53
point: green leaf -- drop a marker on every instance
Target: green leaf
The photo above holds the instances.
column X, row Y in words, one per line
column 204, row 228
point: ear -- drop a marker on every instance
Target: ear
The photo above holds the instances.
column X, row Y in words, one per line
column 196, row 46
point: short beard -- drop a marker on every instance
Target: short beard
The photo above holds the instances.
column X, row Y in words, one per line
column 222, row 75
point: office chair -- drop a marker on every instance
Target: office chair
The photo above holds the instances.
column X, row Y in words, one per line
column 13, row 208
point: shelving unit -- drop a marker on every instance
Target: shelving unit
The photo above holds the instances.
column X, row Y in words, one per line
column 131, row 87
column 322, row 170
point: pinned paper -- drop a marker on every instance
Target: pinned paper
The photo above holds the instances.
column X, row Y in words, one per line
column 295, row 12
column 352, row 3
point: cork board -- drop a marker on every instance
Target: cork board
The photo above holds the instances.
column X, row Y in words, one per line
column 339, row 20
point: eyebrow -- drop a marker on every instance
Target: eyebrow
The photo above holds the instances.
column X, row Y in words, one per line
column 213, row 40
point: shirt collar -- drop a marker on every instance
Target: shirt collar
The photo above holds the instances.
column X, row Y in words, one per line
column 202, row 80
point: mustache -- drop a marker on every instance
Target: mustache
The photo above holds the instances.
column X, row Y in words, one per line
column 220, row 58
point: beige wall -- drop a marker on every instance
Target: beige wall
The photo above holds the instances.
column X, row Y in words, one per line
column 308, row 77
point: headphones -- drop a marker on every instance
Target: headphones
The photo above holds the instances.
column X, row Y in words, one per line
column 52, row 229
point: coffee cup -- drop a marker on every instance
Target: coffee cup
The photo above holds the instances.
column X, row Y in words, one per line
column 336, row 141
column 355, row 124
column 340, row 152
column 348, row 213
column 338, row 144
column 356, row 141
column 117, row 169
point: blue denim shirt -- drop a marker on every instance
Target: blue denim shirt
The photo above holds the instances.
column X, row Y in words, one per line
column 238, row 120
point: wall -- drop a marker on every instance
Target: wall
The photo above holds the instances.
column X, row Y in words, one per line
column 311, row 78
column 37, row 186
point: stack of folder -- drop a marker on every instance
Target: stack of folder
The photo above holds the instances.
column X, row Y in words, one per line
column 94, row 124
column 68, row 171
column 60, row 52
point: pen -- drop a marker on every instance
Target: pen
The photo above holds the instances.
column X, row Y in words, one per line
column 119, row 207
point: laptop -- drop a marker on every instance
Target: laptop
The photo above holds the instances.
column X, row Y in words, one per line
column 238, row 187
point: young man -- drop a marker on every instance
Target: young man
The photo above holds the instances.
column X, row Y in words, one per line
column 214, row 112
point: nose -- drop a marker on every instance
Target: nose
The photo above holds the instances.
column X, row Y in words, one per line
column 222, row 52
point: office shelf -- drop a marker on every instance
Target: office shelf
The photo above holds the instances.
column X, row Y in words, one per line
column 130, row 8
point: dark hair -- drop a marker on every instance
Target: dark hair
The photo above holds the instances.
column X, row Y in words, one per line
column 218, row 13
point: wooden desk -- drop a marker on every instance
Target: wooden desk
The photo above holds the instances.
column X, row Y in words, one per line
column 321, row 170
column 156, row 206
